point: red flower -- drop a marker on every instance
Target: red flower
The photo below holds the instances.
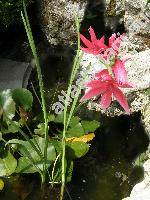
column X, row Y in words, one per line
column 105, row 85
column 114, row 42
column 95, row 46
column 113, row 48
column 120, row 71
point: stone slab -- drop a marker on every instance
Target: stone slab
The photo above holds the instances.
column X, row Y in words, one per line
column 13, row 74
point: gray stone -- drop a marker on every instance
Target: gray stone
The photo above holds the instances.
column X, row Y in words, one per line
column 141, row 191
column 135, row 15
column 137, row 23
column 13, row 74
column 114, row 14
column 57, row 19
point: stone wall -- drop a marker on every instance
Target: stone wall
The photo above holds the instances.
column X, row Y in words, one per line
column 57, row 19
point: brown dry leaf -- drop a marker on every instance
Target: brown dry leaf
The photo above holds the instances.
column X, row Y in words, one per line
column 84, row 138
column 23, row 114
column 1, row 112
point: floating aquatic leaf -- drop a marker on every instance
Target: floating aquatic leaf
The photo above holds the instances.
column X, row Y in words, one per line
column 7, row 105
column 8, row 165
column 75, row 131
column 31, row 161
column 76, row 149
column 23, row 98
column 90, row 126
column 1, row 184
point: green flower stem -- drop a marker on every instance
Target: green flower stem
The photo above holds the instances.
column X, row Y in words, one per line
column 73, row 74
column 110, row 70
column 77, row 96
column 38, row 68
column 108, row 67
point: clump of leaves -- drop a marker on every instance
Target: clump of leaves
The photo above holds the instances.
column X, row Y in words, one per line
column 10, row 11
column 23, row 152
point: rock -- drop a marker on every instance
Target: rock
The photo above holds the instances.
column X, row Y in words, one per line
column 137, row 23
column 57, row 18
column 141, row 191
column 114, row 15
column 146, row 117
column 13, row 74
column 135, row 16
column 138, row 74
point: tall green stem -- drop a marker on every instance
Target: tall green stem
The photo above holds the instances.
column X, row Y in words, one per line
column 73, row 74
column 38, row 68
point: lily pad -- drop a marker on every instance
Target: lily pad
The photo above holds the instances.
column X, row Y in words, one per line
column 7, row 105
column 8, row 165
column 76, row 149
column 31, row 161
column 1, row 184
column 90, row 126
column 75, row 131
column 23, row 98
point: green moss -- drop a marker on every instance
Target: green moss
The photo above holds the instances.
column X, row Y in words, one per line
column 10, row 11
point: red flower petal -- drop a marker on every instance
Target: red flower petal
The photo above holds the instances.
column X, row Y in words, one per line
column 101, row 44
column 92, row 92
column 95, row 46
column 120, row 97
column 88, row 50
column 120, row 72
column 112, row 39
column 127, row 85
column 86, row 41
column 106, row 99
column 103, row 75
column 114, row 42
column 96, row 83
column 92, row 34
